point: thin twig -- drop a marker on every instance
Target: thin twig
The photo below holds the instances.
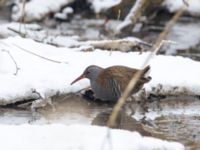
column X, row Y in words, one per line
column 23, row 15
column 16, row 67
column 131, row 85
column 18, row 32
column 25, row 50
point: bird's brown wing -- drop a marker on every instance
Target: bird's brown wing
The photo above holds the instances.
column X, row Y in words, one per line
column 118, row 77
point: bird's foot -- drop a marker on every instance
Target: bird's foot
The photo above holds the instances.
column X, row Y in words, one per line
column 89, row 95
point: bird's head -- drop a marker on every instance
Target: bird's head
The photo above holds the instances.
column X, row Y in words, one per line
column 91, row 73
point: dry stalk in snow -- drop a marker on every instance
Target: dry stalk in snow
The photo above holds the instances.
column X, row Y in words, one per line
column 132, row 83
column 23, row 15
column 130, row 86
column 27, row 51
column 18, row 32
column 45, row 58
column 16, row 67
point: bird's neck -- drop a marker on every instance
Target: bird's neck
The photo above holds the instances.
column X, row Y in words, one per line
column 95, row 75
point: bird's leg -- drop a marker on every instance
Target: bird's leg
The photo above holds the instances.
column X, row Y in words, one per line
column 89, row 95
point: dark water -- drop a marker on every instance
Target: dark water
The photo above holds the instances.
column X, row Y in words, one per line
column 178, row 123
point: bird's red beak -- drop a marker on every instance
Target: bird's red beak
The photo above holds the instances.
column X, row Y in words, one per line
column 79, row 78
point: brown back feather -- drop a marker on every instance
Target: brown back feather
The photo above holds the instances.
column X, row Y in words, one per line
column 122, row 75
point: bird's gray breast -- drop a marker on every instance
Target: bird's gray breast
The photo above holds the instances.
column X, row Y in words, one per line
column 109, row 92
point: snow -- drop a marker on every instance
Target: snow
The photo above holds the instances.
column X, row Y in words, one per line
column 175, row 74
column 68, row 10
column 76, row 137
column 35, row 32
column 177, row 34
column 65, row 13
column 37, row 9
column 125, row 44
column 48, row 78
column 193, row 8
column 102, row 5
column 60, row 16
column 25, row 28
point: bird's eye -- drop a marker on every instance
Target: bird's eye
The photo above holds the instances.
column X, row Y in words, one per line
column 87, row 72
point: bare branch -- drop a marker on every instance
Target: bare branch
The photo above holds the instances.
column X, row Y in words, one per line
column 16, row 67
column 18, row 32
column 55, row 61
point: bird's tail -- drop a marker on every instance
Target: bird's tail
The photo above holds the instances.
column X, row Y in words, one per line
column 146, row 72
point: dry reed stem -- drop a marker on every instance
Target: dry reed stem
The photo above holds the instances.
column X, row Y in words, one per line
column 130, row 86
column 45, row 58
column 159, row 42
column 32, row 53
column 18, row 32
column 13, row 59
column 23, row 15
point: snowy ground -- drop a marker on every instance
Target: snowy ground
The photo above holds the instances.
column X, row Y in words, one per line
column 178, row 34
column 170, row 75
column 175, row 74
column 76, row 137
